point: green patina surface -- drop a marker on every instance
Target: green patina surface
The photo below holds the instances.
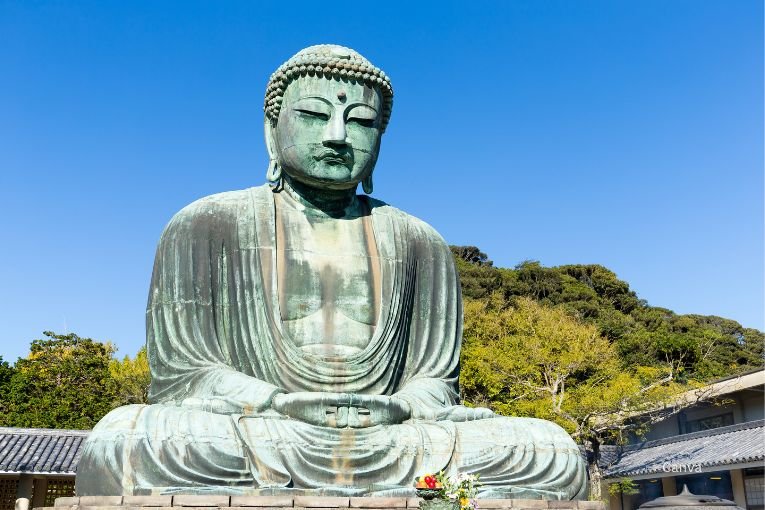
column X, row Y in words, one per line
column 305, row 339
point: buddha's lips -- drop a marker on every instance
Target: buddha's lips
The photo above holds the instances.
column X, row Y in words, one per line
column 334, row 157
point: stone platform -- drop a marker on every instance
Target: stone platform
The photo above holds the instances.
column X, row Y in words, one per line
column 181, row 502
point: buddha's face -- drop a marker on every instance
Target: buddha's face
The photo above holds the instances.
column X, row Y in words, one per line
column 328, row 132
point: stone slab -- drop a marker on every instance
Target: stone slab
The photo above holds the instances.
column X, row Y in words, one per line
column 184, row 508
column 74, row 500
column 218, row 502
column 533, row 504
column 256, row 507
column 378, row 502
column 322, row 502
column 147, row 501
column 495, row 503
column 100, row 500
column 201, row 500
column 104, row 507
column 262, row 501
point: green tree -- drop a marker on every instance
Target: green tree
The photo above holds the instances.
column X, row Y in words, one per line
column 131, row 379
column 6, row 374
column 477, row 275
column 64, row 382
column 527, row 359
column 707, row 347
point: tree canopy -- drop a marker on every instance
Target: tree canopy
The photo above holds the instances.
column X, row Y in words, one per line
column 67, row 381
column 707, row 347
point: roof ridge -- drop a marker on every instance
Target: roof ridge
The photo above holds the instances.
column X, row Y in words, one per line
column 43, row 432
column 695, row 435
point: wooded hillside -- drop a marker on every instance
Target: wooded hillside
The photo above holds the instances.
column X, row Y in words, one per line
column 706, row 346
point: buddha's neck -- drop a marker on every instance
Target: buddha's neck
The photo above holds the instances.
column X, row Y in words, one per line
column 334, row 203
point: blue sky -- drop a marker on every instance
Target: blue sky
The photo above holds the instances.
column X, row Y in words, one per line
column 628, row 134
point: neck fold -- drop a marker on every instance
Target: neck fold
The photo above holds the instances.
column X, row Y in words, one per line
column 335, row 203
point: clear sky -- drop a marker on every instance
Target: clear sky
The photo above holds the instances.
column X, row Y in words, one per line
column 628, row 134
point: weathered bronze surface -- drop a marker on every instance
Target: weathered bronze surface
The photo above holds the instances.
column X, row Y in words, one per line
column 305, row 340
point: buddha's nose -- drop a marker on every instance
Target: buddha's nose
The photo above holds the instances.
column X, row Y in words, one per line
column 335, row 133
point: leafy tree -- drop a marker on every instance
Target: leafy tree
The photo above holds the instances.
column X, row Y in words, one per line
column 707, row 347
column 471, row 254
column 6, row 374
column 64, row 382
column 477, row 276
column 527, row 359
column 626, row 486
column 131, row 379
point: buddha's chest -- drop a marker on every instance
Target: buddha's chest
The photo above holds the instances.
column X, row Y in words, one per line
column 326, row 283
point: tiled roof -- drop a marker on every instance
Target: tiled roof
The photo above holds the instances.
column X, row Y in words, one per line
column 736, row 444
column 40, row 450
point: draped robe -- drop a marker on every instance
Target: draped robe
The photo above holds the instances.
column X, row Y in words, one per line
column 218, row 354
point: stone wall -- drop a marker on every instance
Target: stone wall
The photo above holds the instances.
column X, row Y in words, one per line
column 181, row 502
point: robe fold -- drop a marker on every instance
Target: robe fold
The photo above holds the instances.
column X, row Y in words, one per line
column 219, row 353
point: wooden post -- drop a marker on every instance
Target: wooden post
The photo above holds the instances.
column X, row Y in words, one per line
column 737, row 484
column 669, row 486
column 24, row 491
column 41, row 488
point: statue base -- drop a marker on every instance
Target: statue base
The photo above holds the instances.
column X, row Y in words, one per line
column 215, row 502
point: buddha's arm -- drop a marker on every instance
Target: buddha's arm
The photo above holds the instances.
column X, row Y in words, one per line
column 430, row 385
column 186, row 377
column 226, row 391
column 198, row 352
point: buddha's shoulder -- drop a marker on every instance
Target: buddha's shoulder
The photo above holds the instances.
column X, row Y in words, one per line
column 228, row 201
column 222, row 207
column 414, row 226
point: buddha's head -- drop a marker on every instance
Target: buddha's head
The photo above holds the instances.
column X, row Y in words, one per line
column 326, row 110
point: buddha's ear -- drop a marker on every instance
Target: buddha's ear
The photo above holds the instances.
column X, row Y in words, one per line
column 367, row 185
column 268, row 130
column 274, row 172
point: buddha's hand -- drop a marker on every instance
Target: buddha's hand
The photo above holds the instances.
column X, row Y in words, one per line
column 371, row 410
column 341, row 410
column 462, row 413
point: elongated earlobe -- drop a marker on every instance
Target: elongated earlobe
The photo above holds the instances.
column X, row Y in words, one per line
column 274, row 174
column 367, row 185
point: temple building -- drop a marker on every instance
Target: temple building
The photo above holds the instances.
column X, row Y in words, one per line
column 38, row 465
column 715, row 447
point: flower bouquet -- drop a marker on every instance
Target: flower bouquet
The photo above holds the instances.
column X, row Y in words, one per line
column 447, row 493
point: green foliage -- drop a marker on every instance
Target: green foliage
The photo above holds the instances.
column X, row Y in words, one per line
column 527, row 359
column 64, row 382
column 477, row 276
column 703, row 347
column 131, row 378
column 68, row 382
column 626, row 486
column 6, row 375
column 6, row 372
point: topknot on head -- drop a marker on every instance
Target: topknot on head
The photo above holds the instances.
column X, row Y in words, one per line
column 330, row 61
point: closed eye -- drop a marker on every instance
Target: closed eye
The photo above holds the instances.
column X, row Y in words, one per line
column 312, row 113
column 363, row 122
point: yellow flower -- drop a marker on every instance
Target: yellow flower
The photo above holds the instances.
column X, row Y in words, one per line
column 464, row 502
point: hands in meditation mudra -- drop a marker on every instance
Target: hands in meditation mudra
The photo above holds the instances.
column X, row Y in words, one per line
column 306, row 339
